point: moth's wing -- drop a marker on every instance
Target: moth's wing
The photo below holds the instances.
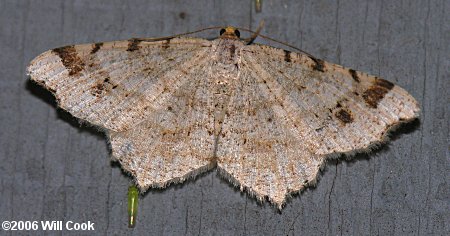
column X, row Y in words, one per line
column 291, row 111
column 176, row 140
column 259, row 148
column 151, row 97
column 115, row 85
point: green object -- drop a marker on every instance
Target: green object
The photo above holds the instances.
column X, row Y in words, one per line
column 133, row 194
column 258, row 4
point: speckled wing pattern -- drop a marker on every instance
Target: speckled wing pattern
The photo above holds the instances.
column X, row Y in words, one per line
column 150, row 96
column 266, row 117
column 290, row 112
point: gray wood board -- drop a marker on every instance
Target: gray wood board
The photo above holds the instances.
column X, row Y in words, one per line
column 54, row 169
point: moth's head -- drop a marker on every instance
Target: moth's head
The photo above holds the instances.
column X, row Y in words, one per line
column 229, row 32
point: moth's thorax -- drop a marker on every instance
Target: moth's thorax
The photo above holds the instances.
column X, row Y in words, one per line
column 224, row 71
column 227, row 51
column 224, row 64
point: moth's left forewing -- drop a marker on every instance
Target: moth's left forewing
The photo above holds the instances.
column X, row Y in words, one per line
column 150, row 96
column 114, row 84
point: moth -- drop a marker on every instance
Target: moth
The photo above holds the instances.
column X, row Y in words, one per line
column 265, row 117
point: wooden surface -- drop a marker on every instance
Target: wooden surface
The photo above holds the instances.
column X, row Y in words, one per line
column 54, row 169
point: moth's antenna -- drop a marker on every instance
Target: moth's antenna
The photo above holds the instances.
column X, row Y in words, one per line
column 250, row 40
column 256, row 33
column 177, row 35
column 271, row 39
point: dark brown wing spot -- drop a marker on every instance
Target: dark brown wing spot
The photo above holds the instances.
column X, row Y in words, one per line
column 70, row 59
column 300, row 88
column 287, row 56
column 166, row 44
column 384, row 83
column 102, row 87
column 354, row 75
column 96, row 47
column 98, row 89
column 373, row 95
column 133, row 45
column 344, row 116
column 319, row 64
